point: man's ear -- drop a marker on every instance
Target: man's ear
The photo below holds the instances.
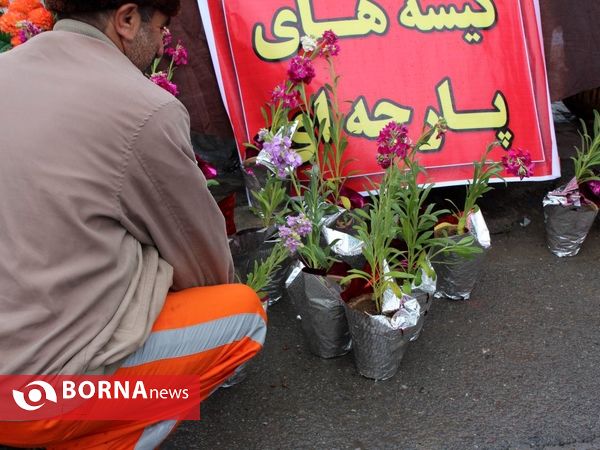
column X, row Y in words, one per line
column 127, row 21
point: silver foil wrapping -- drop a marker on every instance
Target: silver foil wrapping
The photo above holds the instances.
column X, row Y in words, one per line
column 379, row 342
column 568, row 219
column 256, row 244
column 317, row 301
column 457, row 275
column 346, row 247
column 423, row 293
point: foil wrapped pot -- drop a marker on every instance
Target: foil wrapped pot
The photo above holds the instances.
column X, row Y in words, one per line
column 567, row 227
column 344, row 245
column 380, row 341
column 568, row 216
column 456, row 274
column 255, row 244
column 317, row 300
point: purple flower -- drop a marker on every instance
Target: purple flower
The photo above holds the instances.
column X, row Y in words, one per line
column 300, row 224
column 27, row 30
column 288, row 100
column 518, row 163
column 293, row 231
column 179, row 54
column 290, row 238
column 161, row 79
column 329, row 44
column 301, row 70
column 280, row 154
column 392, row 141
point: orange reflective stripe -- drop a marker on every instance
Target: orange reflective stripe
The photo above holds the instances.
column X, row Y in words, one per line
column 206, row 303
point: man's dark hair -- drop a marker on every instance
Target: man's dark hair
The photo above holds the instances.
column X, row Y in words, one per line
column 73, row 8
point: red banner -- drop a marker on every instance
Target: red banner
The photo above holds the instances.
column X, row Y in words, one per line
column 477, row 63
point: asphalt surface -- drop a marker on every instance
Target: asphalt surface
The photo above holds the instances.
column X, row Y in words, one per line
column 515, row 367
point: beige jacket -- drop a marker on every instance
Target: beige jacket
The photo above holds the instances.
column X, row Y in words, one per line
column 102, row 205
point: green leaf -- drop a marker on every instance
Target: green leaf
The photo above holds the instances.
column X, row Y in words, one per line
column 346, row 202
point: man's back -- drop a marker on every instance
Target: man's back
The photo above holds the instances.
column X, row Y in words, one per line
column 78, row 233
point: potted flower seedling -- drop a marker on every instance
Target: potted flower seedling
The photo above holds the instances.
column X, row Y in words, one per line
column 456, row 273
column 315, row 291
column 380, row 316
column 416, row 216
column 570, row 210
column 259, row 279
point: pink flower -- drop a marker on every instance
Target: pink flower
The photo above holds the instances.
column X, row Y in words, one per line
column 209, row 171
column 301, row 70
column 594, row 187
column 27, row 30
column 393, row 140
column 167, row 37
column 384, row 161
column 518, row 163
column 161, row 79
column 179, row 54
column 329, row 43
column 289, row 100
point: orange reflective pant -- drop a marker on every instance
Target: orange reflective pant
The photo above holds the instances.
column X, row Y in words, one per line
column 207, row 331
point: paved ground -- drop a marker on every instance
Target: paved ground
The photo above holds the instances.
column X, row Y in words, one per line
column 514, row 367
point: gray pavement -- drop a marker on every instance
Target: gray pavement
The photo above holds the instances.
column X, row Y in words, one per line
column 514, row 367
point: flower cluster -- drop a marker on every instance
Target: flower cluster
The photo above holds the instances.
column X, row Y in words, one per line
column 178, row 56
column 393, row 141
column 518, row 163
column 293, row 231
column 279, row 154
column 301, row 70
column 24, row 19
column 161, row 79
column 179, row 53
column 329, row 44
column 290, row 100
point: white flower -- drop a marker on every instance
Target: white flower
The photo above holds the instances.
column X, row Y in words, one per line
column 309, row 43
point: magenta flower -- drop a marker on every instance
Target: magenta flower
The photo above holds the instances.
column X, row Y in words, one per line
column 209, row 171
column 518, row 163
column 301, row 70
column 167, row 37
column 384, row 161
column 288, row 100
column 161, row 79
column 329, row 44
column 393, row 140
column 27, row 30
column 594, row 186
column 178, row 54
